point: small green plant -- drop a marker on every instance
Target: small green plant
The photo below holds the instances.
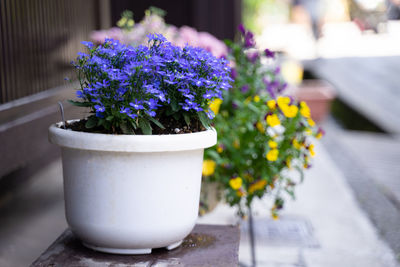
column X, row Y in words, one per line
column 262, row 133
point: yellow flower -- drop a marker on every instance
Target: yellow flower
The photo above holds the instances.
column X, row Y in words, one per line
column 308, row 131
column 272, row 155
column 272, row 144
column 290, row 111
column 259, row 185
column 296, row 144
column 131, row 23
column 311, row 122
column 289, row 163
column 122, row 22
column 256, row 98
column 319, row 135
column 208, row 167
column 236, row 144
column 271, row 104
column 220, row 148
column 305, row 110
column 260, row 127
column 275, row 217
column 214, row 105
column 235, row 183
column 283, row 101
column 247, row 100
column 240, row 193
column 311, row 149
column 273, row 120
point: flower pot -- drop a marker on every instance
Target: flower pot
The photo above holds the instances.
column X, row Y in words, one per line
column 128, row 194
column 318, row 95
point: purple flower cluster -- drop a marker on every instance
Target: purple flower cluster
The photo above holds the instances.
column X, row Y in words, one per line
column 121, row 82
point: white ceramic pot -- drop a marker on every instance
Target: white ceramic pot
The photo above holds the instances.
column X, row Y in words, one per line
column 127, row 194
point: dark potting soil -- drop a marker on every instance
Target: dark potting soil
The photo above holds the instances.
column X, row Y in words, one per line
column 171, row 125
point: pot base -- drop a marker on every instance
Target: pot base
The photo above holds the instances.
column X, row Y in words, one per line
column 127, row 251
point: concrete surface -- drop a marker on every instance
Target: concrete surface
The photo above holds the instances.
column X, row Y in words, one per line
column 324, row 227
column 342, row 232
column 34, row 219
column 205, row 246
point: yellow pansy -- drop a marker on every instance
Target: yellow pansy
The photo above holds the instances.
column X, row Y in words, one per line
column 319, row 135
column 272, row 144
column 311, row 122
column 256, row 98
column 273, row 120
column 235, row 183
column 308, row 131
column 290, row 111
column 311, row 149
column 260, row 127
column 305, row 110
column 215, row 104
column 275, row 216
column 272, row 155
column 283, row 101
column 220, row 148
column 296, row 144
column 259, row 185
column 208, row 167
column 271, row 104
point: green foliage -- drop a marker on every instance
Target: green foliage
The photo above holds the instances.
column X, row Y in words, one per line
column 263, row 135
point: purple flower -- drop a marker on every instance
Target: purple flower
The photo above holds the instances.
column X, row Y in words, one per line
column 249, row 40
column 87, row 44
column 241, row 28
column 245, row 88
column 234, row 73
column 80, row 94
column 252, row 57
column 136, row 105
column 99, row 108
column 269, row 53
column 125, row 110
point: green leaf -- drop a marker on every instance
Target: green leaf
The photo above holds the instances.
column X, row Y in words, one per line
column 145, row 126
column 174, row 105
column 176, row 116
column 126, row 129
column 156, row 122
column 204, row 119
column 110, row 118
column 80, row 104
column 187, row 118
column 100, row 122
column 91, row 122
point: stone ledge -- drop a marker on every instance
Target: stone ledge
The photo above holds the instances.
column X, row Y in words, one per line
column 206, row 245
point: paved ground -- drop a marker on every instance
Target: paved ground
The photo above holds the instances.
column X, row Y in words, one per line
column 324, row 227
column 33, row 220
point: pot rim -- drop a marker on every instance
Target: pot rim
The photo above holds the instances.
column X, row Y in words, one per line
column 130, row 143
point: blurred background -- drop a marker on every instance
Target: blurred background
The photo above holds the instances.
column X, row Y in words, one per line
column 340, row 56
